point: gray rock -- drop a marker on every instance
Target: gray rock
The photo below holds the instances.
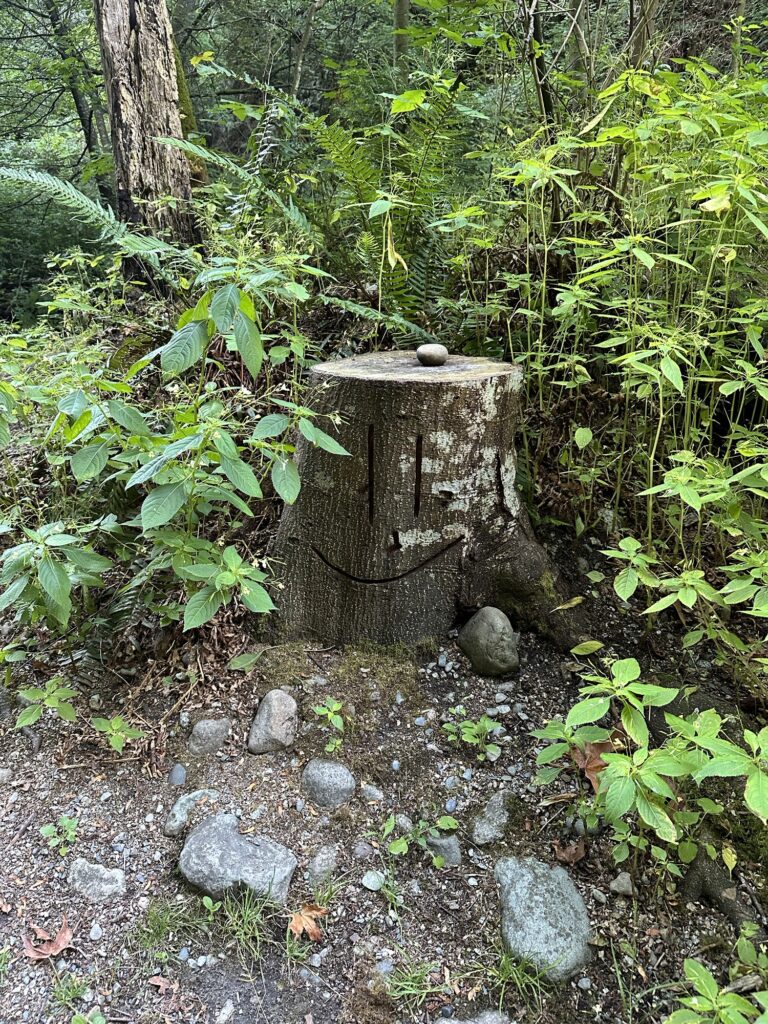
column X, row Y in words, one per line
column 5, row 776
column 446, row 847
column 489, row 1017
column 371, row 794
column 178, row 818
column 622, row 885
column 328, row 783
column 209, row 735
column 373, row 880
column 543, row 917
column 97, row 883
column 584, row 984
column 491, row 824
column 275, row 725
column 322, row 866
column 490, row 643
column 362, row 850
column 177, row 776
column 96, row 932
column 432, row 355
column 216, row 858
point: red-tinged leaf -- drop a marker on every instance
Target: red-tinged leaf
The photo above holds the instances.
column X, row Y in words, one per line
column 571, row 854
column 304, row 921
column 51, row 946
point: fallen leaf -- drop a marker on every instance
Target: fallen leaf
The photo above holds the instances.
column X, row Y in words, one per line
column 571, row 854
column 591, row 760
column 51, row 946
column 305, row 920
column 5, row 907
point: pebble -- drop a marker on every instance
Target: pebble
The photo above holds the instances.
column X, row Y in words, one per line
column 442, row 661
column 584, row 984
column 209, row 735
column 421, row 720
column 184, row 954
column 599, row 896
column 622, row 885
column 96, row 932
column 5, row 776
column 395, row 766
column 177, row 775
column 362, row 850
column 467, row 774
column 451, row 804
column 371, row 794
column 373, row 880
column 432, row 354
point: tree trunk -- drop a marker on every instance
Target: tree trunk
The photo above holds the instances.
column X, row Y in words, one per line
column 142, row 92
column 422, row 522
column 402, row 14
column 301, row 49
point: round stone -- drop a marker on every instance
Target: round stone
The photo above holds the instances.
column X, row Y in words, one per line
column 432, row 355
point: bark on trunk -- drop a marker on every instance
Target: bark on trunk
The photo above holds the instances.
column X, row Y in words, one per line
column 422, row 522
column 402, row 15
column 142, row 92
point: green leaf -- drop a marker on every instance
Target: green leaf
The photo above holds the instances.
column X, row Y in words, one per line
column 625, row 583
column 244, row 662
column 398, row 846
column 619, row 798
column 128, row 417
column 378, row 207
column 224, row 306
column 242, row 476
column 14, row 592
column 635, row 725
column 588, row 647
column 89, row 461
column 185, row 347
column 256, row 598
column 702, row 979
column 589, row 710
column 671, row 371
column 162, row 504
column 308, row 429
column 656, row 818
column 201, row 607
column 661, row 604
column 328, row 443
column 285, row 479
column 249, row 344
column 271, row 426
column 408, row 100
column 582, row 437
column 29, row 716
column 54, row 580
column 756, row 793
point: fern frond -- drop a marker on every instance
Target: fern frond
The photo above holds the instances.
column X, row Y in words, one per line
column 212, row 157
column 64, row 192
column 348, row 157
column 399, row 326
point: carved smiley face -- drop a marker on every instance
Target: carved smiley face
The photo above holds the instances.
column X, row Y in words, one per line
column 408, row 498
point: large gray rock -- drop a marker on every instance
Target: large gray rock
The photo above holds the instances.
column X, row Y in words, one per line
column 178, row 818
column 490, row 643
column 209, row 735
column 328, row 783
column 275, row 725
column 543, row 917
column 96, row 882
column 216, row 858
column 491, row 824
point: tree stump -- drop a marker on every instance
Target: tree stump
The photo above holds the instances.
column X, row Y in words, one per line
column 422, row 520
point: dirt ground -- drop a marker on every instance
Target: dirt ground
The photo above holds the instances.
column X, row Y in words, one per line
column 424, row 948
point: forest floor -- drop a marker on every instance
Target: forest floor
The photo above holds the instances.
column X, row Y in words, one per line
column 423, row 948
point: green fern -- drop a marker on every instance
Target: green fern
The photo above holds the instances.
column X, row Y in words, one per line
column 64, row 192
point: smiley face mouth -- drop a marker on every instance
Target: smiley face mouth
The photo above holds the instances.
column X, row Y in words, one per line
column 389, row 579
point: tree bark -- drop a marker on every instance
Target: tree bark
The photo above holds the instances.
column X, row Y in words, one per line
column 142, row 92
column 402, row 15
column 422, row 522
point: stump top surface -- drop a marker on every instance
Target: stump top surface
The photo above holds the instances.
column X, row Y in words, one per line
column 403, row 365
